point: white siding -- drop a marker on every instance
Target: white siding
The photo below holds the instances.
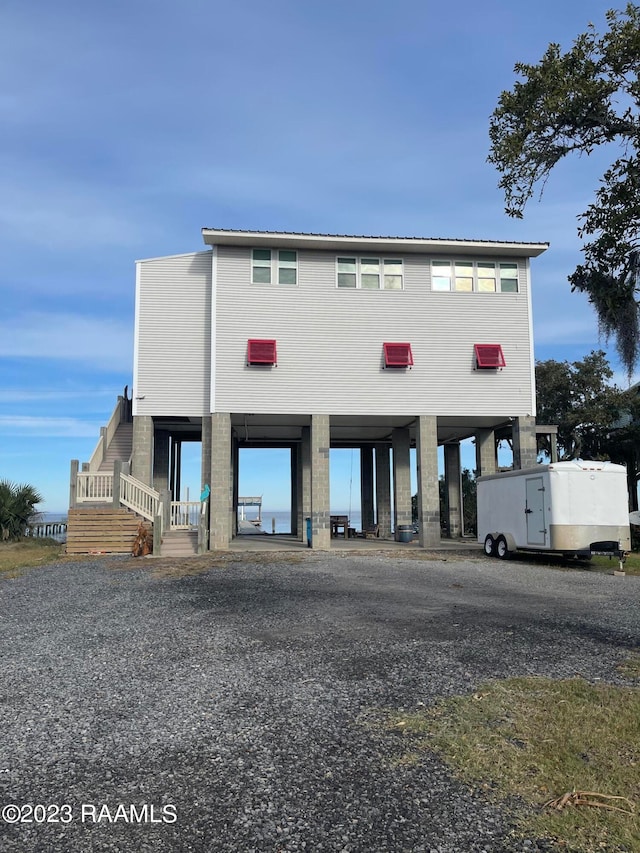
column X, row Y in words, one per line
column 330, row 357
column 172, row 371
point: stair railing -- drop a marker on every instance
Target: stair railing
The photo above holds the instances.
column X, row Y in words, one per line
column 93, row 487
column 106, row 435
column 185, row 515
column 139, row 497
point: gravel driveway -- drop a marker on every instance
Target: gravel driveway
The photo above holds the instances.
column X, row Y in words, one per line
column 227, row 700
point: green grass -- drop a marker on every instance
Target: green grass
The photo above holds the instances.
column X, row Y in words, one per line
column 27, row 552
column 631, row 565
column 536, row 739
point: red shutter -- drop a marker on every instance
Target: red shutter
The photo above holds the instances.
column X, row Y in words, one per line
column 489, row 355
column 397, row 355
column 261, row 351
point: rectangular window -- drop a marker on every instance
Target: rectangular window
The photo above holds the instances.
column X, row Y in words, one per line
column 441, row 275
column 464, row 276
column 393, row 275
column 287, row 267
column 261, row 270
column 370, row 273
column 474, row 276
column 347, row 272
column 269, row 266
column 509, row 278
column 486, row 278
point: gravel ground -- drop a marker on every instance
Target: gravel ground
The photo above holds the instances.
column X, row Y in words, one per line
column 236, row 695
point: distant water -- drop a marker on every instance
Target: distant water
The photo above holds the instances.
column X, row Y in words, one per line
column 282, row 519
column 50, row 518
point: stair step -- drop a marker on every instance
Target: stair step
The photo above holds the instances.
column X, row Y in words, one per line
column 102, row 529
column 119, row 447
column 180, row 543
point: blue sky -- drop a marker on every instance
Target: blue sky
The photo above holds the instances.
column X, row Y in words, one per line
column 128, row 126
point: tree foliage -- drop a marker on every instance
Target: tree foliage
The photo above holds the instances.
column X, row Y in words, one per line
column 575, row 102
column 17, row 508
column 578, row 397
column 595, row 420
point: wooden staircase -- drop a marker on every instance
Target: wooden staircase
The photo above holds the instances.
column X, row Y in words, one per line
column 119, row 447
column 105, row 530
column 180, row 543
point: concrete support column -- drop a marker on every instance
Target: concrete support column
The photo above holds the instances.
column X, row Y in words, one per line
column 383, row 491
column 366, row 487
column 305, row 481
column 428, row 489
column 453, row 489
column 295, row 457
column 400, row 442
column 554, row 446
column 142, row 452
column 486, row 462
column 221, row 481
column 320, row 513
column 525, row 454
column 161, row 460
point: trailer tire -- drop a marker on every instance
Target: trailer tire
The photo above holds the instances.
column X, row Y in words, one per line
column 490, row 546
column 502, row 549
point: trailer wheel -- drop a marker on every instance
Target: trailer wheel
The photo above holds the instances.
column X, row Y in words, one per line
column 502, row 549
column 490, row 546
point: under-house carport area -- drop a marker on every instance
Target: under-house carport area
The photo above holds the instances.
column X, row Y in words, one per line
column 384, row 445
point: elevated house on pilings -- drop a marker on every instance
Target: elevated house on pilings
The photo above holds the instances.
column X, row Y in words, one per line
column 316, row 341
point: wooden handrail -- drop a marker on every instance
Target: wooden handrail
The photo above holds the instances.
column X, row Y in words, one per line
column 139, row 497
column 94, row 487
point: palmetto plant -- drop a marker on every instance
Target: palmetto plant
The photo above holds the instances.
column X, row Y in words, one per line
column 17, row 508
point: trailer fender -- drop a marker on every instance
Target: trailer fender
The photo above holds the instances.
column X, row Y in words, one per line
column 505, row 546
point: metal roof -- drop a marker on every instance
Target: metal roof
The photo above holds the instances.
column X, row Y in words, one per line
column 362, row 242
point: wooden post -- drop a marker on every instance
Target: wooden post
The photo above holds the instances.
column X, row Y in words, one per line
column 117, row 469
column 73, row 483
column 157, row 536
column 165, row 497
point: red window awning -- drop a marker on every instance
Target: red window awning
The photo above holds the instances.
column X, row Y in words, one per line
column 260, row 351
column 398, row 355
column 489, row 355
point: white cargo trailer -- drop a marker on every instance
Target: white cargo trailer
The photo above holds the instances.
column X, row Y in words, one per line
column 576, row 508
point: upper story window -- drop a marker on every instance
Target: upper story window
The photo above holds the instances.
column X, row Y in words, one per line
column 478, row 276
column 274, row 266
column 370, row 273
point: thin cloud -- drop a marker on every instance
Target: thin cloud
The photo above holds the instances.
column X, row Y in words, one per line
column 17, row 395
column 49, row 427
column 62, row 215
column 104, row 344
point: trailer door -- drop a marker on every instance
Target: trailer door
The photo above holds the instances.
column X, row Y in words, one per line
column 534, row 512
